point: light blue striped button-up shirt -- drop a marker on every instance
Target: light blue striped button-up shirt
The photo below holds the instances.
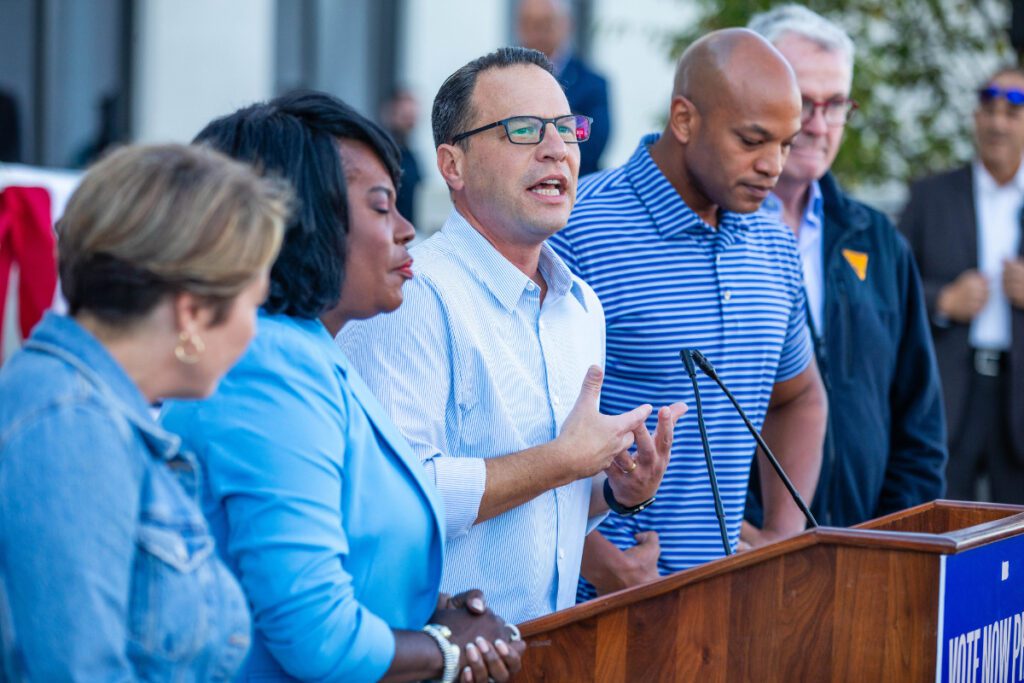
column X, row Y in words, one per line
column 473, row 366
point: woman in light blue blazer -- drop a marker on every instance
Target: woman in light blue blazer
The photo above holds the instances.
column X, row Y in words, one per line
column 319, row 505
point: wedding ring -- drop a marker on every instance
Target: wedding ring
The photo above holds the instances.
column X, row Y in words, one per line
column 627, row 470
column 514, row 635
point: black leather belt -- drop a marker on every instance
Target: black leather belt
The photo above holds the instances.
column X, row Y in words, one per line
column 989, row 363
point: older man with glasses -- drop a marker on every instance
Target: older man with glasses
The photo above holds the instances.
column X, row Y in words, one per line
column 885, row 444
column 483, row 364
column 965, row 228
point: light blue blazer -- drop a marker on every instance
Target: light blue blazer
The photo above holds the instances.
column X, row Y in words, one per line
column 318, row 505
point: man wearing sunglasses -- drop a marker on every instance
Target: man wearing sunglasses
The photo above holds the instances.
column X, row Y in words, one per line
column 673, row 247
column 482, row 365
column 965, row 229
column 885, row 445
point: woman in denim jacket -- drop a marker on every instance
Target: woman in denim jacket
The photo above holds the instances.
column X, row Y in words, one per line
column 318, row 503
column 107, row 568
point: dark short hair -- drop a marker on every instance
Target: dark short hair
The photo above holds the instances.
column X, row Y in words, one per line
column 296, row 137
column 453, row 108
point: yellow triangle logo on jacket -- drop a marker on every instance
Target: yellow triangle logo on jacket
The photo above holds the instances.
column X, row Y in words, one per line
column 858, row 260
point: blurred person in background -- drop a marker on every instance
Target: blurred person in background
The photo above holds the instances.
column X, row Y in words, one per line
column 111, row 129
column 885, row 449
column 107, row 566
column 964, row 227
column 546, row 25
column 400, row 113
column 317, row 502
column 10, row 136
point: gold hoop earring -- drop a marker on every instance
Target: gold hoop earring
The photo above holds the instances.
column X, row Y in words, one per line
column 181, row 352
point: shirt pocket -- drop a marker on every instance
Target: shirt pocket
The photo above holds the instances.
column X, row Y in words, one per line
column 169, row 613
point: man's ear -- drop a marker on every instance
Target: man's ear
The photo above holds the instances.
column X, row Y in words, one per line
column 451, row 161
column 683, row 119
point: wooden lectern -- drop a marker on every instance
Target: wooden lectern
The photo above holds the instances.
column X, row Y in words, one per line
column 858, row 604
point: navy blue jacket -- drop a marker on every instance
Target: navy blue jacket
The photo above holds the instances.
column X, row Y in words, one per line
column 587, row 93
column 886, row 444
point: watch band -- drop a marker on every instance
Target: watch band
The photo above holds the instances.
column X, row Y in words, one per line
column 449, row 651
column 618, row 507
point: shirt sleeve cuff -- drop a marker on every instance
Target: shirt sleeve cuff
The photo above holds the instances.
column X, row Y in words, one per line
column 940, row 320
column 595, row 521
column 792, row 364
column 461, row 482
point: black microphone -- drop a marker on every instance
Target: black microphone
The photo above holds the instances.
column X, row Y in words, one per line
column 705, row 365
column 719, row 511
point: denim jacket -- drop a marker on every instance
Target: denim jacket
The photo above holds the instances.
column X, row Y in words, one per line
column 107, row 568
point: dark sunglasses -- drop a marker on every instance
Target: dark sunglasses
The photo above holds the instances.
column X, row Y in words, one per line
column 1014, row 97
column 529, row 130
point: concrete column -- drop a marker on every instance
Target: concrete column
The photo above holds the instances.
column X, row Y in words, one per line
column 199, row 59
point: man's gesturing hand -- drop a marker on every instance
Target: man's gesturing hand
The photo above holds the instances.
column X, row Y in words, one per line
column 635, row 479
column 590, row 440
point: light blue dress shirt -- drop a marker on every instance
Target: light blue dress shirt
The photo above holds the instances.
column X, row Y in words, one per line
column 318, row 504
column 997, row 217
column 810, row 242
column 473, row 366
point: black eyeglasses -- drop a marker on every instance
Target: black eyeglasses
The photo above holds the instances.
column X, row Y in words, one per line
column 529, row 130
column 1012, row 95
column 836, row 112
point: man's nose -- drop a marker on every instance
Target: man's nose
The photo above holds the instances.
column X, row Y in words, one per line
column 552, row 146
column 772, row 161
column 816, row 124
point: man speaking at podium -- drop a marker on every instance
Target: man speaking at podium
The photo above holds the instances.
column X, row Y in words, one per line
column 672, row 246
column 488, row 365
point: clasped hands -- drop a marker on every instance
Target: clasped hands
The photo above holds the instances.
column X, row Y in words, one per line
column 490, row 648
column 962, row 299
column 595, row 443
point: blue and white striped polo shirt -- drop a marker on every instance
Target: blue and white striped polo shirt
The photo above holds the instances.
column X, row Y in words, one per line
column 668, row 281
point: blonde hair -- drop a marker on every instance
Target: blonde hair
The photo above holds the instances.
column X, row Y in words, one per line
column 148, row 221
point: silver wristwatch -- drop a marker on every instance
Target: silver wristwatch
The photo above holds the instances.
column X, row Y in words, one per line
column 449, row 651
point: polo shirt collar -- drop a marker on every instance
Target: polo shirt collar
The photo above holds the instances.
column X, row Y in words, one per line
column 498, row 275
column 672, row 216
column 814, row 214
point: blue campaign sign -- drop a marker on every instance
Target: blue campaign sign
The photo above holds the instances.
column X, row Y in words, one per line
column 981, row 614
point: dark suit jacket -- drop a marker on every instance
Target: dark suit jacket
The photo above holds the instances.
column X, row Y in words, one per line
column 939, row 221
column 587, row 93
